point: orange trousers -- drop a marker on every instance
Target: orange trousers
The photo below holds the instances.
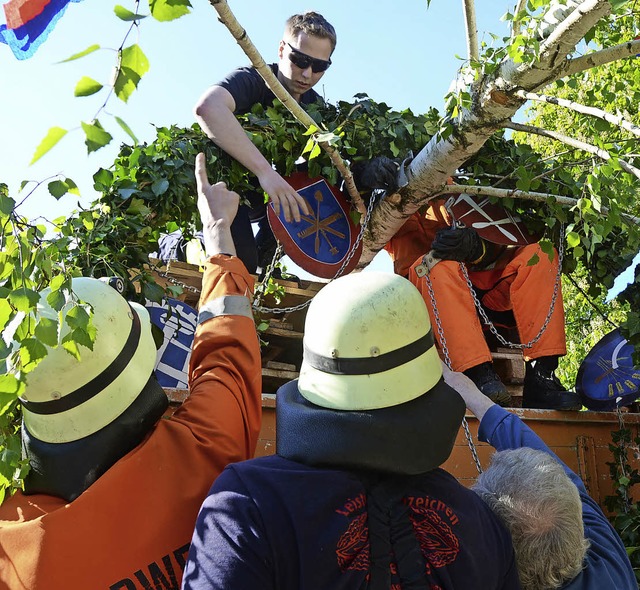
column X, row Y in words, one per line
column 525, row 290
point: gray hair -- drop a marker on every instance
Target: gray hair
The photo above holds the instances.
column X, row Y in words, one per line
column 313, row 24
column 534, row 497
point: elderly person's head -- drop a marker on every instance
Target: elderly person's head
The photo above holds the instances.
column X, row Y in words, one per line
column 530, row 491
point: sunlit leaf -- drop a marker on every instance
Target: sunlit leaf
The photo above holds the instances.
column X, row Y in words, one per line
column 166, row 10
column 9, row 385
column 56, row 300
column 87, row 51
column 24, row 299
column 133, row 65
column 87, row 86
column 573, row 239
column 71, row 347
column 126, row 15
column 96, row 136
column 6, row 312
column 54, row 135
column 47, row 331
column 59, row 188
column 127, row 130
column 77, row 317
column 31, row 352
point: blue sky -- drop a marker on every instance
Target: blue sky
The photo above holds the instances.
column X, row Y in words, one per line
column 400, row 53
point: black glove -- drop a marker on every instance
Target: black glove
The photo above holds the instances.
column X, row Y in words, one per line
column 461, row 244
column 380, row 172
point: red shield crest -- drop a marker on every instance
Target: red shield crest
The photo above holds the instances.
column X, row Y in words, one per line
column 492, row 221
column 321, row 241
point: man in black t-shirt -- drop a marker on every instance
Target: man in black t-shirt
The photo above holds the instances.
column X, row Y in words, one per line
column 304, row 55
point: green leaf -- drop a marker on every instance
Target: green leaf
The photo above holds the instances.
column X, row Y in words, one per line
column 54, row 135
column 77, row 317
column 153, row 292
column 6, row 204
column 58, row 188
column 87, row 86
column 56, row 300
column 96, row 136
column 126, row 15
column 6, row 313
column 10, row 385
column 133, row 65
column 127, row 130
column 315, row 151
column 31, row 352
column 87, row 51
column 573, row 239
column 47, row 331
column 160, row 186
column 102, row 179
column 533, row 260
column 166, row 10
column 547, row 247
column 71, row 346
column 24, row 299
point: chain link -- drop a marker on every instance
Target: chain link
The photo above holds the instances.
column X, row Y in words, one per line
column 490, row 324
column 174, row 281
column 492, row 328
column 447, row 359
column 350, row 255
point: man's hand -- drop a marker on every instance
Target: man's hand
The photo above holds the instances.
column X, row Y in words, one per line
column 218, row 207
column 380, row 172
column 475, row 400
column 283, row 195
column 461, row 244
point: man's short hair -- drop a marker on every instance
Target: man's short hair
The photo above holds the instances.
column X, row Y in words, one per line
column 530, row 491
column 311, row 23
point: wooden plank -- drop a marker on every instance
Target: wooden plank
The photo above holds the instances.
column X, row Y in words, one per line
column 280, row 374
column 284, row 333
column 280, row 366
column 280, row 324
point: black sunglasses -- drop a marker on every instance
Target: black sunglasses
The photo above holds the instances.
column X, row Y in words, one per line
column 303, row 61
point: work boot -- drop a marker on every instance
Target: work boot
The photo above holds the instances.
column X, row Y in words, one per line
column 543, row 390
column 488, row 382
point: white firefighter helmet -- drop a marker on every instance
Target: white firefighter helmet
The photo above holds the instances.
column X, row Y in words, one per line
column 368, row 344
column 66, row 399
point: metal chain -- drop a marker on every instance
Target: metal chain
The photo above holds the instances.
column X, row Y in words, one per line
column 350, row 255
column 490, row 324
column 447, row 359
column 173, row 281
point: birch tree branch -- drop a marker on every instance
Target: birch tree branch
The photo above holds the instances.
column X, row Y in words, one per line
column 580, row 145
column 515, row 30
column 503, row 193
column 554, row 50
column 507, row 193
column 242, row 38
column 469, row 9
column 600, row 58
column 584, row 109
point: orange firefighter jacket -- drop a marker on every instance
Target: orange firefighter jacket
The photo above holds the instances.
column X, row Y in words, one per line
column 132, row 528
column 510, row 284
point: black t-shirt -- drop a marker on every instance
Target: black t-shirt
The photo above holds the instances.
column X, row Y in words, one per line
column 248, row 88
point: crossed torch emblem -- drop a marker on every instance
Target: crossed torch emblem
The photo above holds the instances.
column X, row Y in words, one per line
column 319, row 226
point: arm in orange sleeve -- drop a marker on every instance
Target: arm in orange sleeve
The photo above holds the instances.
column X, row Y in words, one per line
column 224, row 408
